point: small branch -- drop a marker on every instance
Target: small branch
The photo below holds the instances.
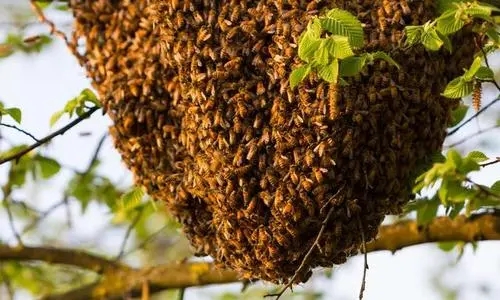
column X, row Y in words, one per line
column 497, row 160
column 41, row 217
column 127, row 234
column 146, row 240
column 20, row 130
column 467, row 138
column 482, row 110
column 309, row 252
column 16, row 156
column 7, row 192
column 365, row 259
column 54, row 31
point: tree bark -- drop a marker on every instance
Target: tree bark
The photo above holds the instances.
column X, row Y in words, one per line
column 118, row 279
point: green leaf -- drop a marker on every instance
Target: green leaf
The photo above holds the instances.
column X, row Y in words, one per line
column 468, row 165
column 55, row 117
column 458, row 88
column 495, row 187
column 321, row 55
column 343, row 23
column 454, row 158
column 484, row 73
column 427, row 211
column 339, row 47
column 48, row 166
column 431, row 40
column 446, row 41
column 476, row 64
column 131, row 199
column 458, row 115
column 477, row 156
column 330, row 72
column 352, row 65
column 299, row 74
column 477, row 10
column 448, row 23
column 447, row 246
column 13, row 112
column 43, row 4
column 314, row 28
column 444, row 5
column 413, row 34
column 454, row 209
column 308, row 45
column 384, row 56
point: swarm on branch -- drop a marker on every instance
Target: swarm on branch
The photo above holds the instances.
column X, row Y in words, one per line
column 118, row 279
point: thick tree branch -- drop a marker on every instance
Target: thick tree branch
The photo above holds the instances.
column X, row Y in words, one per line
column 119, row 280
column 52, row 255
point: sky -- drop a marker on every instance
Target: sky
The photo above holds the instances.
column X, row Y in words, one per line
column 41, row 84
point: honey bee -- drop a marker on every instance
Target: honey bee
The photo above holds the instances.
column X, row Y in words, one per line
column 386, row 4
column 318, row 174
column 320, row 149
column 238, row 157
column 273, row 250
column 309, row 157
column 307, row 184
column 249, row 28
column 382, row 22
column 232, row 33
column 332, row 102
column 283, row 241
column 294, row 176
column 252, row 150
column 404, row 6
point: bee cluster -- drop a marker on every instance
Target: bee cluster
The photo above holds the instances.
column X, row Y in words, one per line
column 204, row 117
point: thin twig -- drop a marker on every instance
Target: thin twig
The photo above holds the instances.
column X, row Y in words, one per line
column 41, row 217
column 16, row 156
column 127, row 234
column 365, row 259
column 7, row 192
column 146, row 241
column 309, row 252
column 95, row 155
column 465, row 139
column 483, row 189
column 54, row 31
column 497, row 160
column 474, row 116
column 488, row 65
column 20, row 130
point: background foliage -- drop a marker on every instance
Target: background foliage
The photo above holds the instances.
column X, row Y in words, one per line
column 123, row 224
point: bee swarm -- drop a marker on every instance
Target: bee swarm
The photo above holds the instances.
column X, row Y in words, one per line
column 204, row 117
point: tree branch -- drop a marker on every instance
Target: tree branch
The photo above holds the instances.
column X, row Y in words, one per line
column 48, row 138
column 52, row 255
column 119, row 280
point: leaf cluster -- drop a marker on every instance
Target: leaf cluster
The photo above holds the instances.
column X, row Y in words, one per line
column 450, row 177
column 16, row 42
column 327, row 47
column 78, row 105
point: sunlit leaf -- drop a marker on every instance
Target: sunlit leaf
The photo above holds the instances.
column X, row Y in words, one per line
column 298, row 75
column 48, row 166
